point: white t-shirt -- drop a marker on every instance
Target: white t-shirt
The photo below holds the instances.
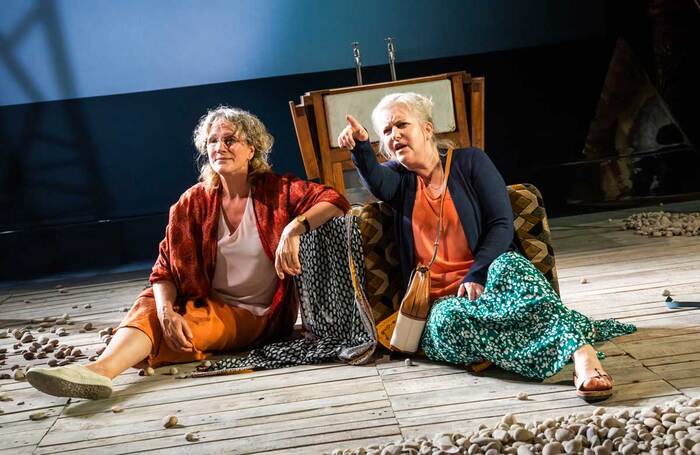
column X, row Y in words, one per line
column 244, row 276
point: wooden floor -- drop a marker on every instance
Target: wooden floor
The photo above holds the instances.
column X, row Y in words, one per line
column 314, row 409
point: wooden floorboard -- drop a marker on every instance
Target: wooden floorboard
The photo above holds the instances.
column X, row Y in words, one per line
column 317, row 408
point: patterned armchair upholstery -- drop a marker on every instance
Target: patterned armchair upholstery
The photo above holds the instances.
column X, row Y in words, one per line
column 382, row 259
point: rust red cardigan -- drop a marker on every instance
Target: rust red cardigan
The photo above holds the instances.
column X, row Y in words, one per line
column 187, row 254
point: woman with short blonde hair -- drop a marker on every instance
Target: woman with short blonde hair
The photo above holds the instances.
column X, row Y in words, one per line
column 489, row 301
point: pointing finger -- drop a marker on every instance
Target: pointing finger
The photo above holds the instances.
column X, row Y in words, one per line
column 354, row 124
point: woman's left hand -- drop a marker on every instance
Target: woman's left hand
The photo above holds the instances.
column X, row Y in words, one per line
column 287, row 254
column 472, row 290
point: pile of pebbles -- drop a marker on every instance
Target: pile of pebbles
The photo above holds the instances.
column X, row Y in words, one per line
column 664, row 224
column 41, row 340
column 670, row 429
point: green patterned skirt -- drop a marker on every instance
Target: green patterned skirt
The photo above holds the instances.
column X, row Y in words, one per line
column 519, row 323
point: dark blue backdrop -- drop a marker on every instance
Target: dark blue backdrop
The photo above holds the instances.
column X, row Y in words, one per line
column 95, row 144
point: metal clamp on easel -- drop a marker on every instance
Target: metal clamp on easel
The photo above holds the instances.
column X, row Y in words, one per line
column 358, row 62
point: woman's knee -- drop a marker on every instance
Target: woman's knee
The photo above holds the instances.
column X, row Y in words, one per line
column 445, row 311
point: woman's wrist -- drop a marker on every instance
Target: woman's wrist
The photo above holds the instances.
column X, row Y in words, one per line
column 164, row 310
column 296, row 227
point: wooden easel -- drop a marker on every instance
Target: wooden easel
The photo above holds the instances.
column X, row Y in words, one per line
column 315, row 126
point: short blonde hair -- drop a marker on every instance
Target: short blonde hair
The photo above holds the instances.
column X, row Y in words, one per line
column 244, row 123
column 418, row 105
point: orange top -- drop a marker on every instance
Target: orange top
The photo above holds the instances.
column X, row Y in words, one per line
column 454, row 257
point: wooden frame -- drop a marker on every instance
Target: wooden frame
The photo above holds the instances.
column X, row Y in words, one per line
column 322, row 160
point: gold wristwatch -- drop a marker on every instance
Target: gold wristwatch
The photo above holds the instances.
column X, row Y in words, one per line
column 302, row 219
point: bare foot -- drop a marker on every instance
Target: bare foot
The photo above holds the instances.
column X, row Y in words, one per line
column 586, row 363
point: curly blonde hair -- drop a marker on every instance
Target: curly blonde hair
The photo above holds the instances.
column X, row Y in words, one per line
column 247, row 126
column 418, row 105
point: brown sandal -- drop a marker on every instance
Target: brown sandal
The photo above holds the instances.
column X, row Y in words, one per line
column 593, row 395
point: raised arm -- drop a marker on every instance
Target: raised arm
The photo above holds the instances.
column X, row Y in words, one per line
column 381, row 180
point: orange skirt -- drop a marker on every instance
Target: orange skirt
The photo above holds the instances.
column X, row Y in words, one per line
column 215, row 326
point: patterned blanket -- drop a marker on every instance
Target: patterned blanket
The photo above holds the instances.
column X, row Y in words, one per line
column 336, row 317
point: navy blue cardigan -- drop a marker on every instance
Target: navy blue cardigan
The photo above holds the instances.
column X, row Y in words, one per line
column 478, row 192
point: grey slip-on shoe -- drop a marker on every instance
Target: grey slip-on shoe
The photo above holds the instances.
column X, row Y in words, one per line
column 74, row 381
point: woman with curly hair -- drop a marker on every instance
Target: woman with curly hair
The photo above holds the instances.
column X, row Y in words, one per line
column 220, row 282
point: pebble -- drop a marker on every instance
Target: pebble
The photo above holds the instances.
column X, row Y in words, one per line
column 173, row 371
column 408, row 362
column 88, row 326
column 521, row 396
column 19, row 375
column 563, row 435
column 666, row 293
column 191, row 436
column 611, row 421
column 615, row 432
column 508, row 419
column 501, row 435
column 169, row 421
column 552, row 448
column 116, row 409
column 573, row 446
column 147, row 372
column 87, row 306
column 40, row 415
column 583, row 280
